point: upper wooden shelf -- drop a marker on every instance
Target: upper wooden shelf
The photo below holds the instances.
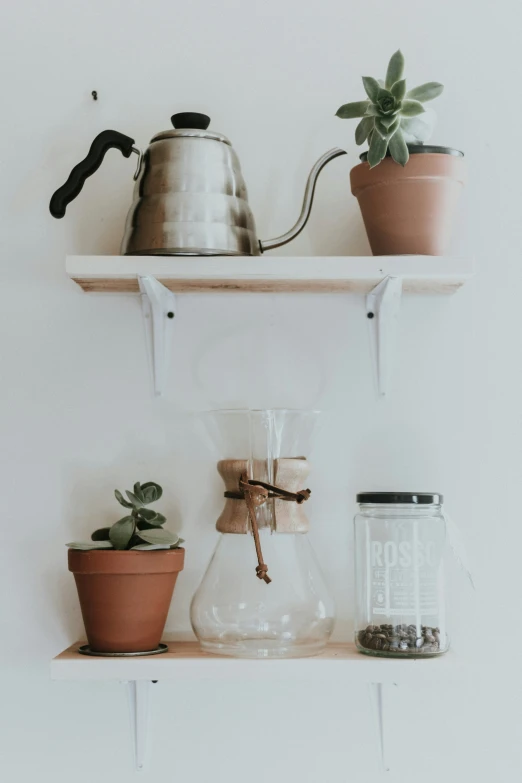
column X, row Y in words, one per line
column 184, row 660
column 268, row 274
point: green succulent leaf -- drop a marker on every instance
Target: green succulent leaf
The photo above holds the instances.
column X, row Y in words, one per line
column 410, row 108
column 372, row 87
column 154, row 518
column 384, row 93
column 121, row 532
column 121, row 499
column 136, row 503
column 151, row 491
column 350, row 111
column 135, row 540
column 151, row 546
column 147, row 513
column 426, row 92
column 386, row 132
column 395, row 69
column 379, row 129
column 138, row 492
column 101, row 535
column 363, row 129
column 388, row 121
column 377, row 150
column 158, row 536
column 372, row 110
column 398, row 90
column 398, row 148
column 141, row 524
column 86, row 545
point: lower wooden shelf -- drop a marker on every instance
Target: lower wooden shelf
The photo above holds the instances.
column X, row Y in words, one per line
column 339, row 665
column 339, row 661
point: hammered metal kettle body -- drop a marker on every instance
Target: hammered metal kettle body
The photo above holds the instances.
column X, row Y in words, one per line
column 190, row 197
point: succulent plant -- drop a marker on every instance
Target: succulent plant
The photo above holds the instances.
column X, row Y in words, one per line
column 141, row 529
column 390, row 116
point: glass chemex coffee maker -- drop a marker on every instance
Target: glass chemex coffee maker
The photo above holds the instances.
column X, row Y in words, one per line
column 263, row 594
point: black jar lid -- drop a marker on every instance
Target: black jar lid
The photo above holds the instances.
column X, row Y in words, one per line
column 391, row 498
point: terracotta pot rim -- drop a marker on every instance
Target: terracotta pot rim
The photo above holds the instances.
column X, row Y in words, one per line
column 127, row 552
column 423, row 149
column 110, row 561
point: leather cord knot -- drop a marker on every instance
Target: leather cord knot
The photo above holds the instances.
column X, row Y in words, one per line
column 262, row 573
column 256, row 493
column 302, row 495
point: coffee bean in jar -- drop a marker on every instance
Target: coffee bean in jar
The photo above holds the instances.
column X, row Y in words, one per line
column 402, row 640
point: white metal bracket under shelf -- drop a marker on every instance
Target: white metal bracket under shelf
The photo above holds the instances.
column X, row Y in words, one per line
column 375, row 690
column 383, row 306
column 138, row 692
column 159, row 309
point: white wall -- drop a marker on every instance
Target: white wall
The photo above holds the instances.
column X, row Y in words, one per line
column 77, row 413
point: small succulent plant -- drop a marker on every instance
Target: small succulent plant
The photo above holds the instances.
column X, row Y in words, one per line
column 141, row 529
column 390, row 116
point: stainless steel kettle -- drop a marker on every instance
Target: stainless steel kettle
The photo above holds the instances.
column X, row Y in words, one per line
column 190, row 197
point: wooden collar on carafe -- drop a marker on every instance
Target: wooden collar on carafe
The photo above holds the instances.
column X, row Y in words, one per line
column 255, row 493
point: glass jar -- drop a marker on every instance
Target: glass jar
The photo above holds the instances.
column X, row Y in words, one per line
column 400, row 549
column 263, row 595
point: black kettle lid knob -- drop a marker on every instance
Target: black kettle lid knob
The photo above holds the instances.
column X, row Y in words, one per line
column 190, row 119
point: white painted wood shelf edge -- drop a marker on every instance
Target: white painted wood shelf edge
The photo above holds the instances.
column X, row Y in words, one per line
column 339, row 662
column 270, row 274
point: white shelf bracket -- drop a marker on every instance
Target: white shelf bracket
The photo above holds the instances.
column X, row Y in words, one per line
column 159, row 308
column 377, row 704
column 383, row 306
column 138, row 698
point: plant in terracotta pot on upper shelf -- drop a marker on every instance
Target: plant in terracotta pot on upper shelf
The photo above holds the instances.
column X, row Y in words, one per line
column 407, row 191
column 126, row 574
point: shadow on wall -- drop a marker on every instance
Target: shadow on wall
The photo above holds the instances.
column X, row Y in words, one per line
column 269, row 362
column 336, row 227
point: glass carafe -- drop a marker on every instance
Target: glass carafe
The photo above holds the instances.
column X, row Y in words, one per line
column 263, row 595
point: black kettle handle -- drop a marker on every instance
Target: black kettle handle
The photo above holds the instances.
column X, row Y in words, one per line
column 76, row 180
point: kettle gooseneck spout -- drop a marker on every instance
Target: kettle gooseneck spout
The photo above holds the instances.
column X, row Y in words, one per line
column 270, row 244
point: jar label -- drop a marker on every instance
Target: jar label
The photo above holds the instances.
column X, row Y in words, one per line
column 404, row 577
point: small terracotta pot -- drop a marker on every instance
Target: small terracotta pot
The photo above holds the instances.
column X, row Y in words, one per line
column 125, row 596
column 409, row 210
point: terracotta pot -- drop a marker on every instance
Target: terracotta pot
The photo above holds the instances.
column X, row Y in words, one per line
column 125, row 596
column 409, row 210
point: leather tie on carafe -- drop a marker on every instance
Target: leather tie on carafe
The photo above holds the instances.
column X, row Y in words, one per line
column 255, row 493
